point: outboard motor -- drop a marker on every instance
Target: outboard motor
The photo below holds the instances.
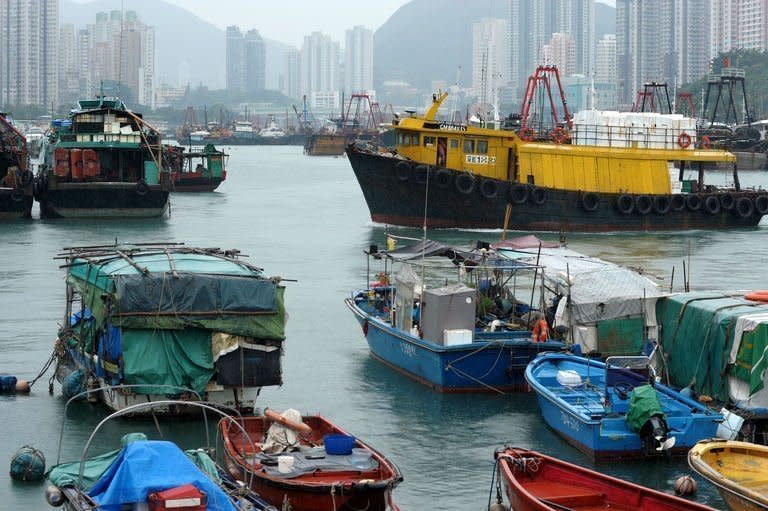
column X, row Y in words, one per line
column 655, row 435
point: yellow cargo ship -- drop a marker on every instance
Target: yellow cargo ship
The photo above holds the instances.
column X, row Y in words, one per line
column 598, row 178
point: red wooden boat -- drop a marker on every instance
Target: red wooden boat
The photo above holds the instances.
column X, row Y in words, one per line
column 537, row 482
column 321, row 482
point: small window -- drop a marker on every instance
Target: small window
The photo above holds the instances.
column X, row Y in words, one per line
column 406, row 139
column 415, row 139
column 454, row 143
column 469, row 146
column 482, row 147
column 400, row 138
column 429, row 141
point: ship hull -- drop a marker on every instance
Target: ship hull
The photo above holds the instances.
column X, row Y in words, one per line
column 395, row 191
column 196, row 184
column 14, row 204
column 103, row 200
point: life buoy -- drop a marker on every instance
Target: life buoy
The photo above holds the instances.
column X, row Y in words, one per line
column 538, row 196
column 761, row 204
column 744, row 207
column 712, row 205
column 661, row 204
column 17, row 195
column 443, row 178
column 757, row 296
column 142, row 187
column 519, row 192
column 643, row 204
column 527, row 134
column 465, row 183
column 540, row 331
column 706, row 142
column 403, row 170
column 590, row 201
column 727, row 201
column 693, row 202
column 684, row 140
column 677, row 202
column 625, row 204
column 298, row 427
column 489, row 188
column 559, row 135
column 421, row 174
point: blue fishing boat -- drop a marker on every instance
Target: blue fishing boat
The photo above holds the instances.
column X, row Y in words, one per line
column 615, row 409
column 469, row 335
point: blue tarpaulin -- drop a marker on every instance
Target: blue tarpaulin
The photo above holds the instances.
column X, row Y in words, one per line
column 145, row 467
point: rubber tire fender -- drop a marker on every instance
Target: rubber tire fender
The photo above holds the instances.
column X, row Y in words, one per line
column 421, row 174
column 712, row 205
column 643, row 204
column 693, row 202
column 662, row 204
column 744, row 207
column 677, row 202
column 538, row 196
column 590, row 201
column 465, row 183
column 403, row 170
column 625, row 204
column 489, row 188
column 761, row 204
column 443, row 178
column 727, row 201
column 141, row 187
column 519, row 193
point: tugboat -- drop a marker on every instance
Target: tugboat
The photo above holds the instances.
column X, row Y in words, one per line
column 16, row 180
column 601, row 177
column 104, row 161
column 202, row 170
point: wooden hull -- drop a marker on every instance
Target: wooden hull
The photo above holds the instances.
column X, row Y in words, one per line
column 103, row 200
column 325, row 145
column 394, row 190
column 312, row 491
column 537, row 482
column 739, row 470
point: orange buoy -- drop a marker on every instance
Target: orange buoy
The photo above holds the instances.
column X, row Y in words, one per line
column 757, row 296
column 527, row 134
column 706, row 142
column 298, row 427
column 683, row 140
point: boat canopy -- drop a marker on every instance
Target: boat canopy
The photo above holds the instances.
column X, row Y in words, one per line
column 179, row 289
column 458, row 255
column 718, row 344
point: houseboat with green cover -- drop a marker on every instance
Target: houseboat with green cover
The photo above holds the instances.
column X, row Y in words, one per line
column 103, row 161
column 144, row 322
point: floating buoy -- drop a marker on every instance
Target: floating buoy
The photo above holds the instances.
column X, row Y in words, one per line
column 73, row 384
column 28, row 464
column 685, row 485
column 498, row 506
column 54, row 496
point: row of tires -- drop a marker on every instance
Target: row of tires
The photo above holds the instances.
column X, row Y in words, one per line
column 520, row 193
column 714, row 204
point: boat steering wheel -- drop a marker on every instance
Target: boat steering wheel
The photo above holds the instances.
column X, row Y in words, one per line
column 623, row 389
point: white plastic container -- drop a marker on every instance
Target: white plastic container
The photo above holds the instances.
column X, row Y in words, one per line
column 457, row 337
column 568, row 378
column 285, row 464
column 730, row 427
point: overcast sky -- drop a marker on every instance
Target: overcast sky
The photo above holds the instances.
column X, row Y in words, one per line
column 289, row 20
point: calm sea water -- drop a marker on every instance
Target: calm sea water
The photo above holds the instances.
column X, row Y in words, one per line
column 305, row 218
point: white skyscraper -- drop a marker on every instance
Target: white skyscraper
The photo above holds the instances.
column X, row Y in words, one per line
column 606, row 73
column 561, row 52
column 692, row 46
column 358, row 60
column 29, row 43
column 320, row 70
column 291, row 77
column 490, row 58
column 738, row 24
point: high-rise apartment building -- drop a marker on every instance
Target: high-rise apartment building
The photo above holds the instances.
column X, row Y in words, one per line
column 69, row 77
column 738, row 24
column 29, row 43
column 531, row 25
column 606, row 73
column 691, row 45
column 291, row 81
column 320, row 68
column 254, row 61
column 235, row 59
column 358, row 60
column 561, row 52
column 490, row 58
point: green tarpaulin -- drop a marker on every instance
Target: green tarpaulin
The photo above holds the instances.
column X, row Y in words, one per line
column 643, row 405
column 697, row 335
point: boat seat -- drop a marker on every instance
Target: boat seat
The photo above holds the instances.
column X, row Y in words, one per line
column 565, row 494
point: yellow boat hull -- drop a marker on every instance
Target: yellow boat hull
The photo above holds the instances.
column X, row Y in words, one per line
column 739, row 470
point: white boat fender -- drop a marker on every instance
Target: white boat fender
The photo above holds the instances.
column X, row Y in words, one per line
column 568, row 378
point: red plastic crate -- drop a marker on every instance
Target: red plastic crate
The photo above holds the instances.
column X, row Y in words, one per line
column 181, row 498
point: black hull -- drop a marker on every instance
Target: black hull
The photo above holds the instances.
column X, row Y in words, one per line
column 103, row 200
column 395, row 195
column 15, row 203
column 207, row 184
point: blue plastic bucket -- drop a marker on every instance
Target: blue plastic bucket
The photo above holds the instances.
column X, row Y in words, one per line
column 338, row 445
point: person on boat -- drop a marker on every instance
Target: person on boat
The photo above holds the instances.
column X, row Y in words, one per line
column 541, row 330
column 11, row 178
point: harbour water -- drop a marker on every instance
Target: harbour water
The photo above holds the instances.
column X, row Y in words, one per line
column 305, row 218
